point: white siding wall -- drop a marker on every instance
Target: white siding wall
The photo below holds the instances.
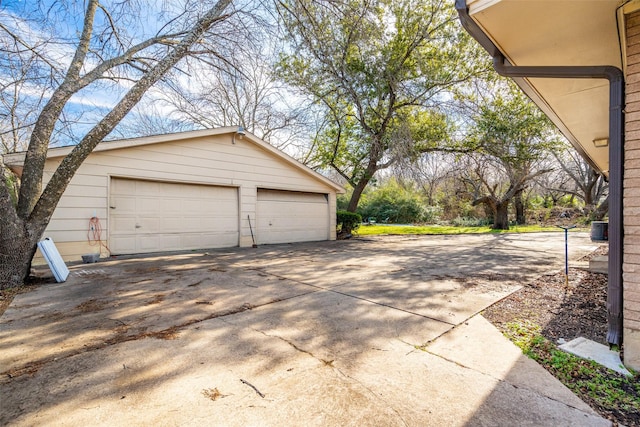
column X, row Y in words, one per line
column 210, row 160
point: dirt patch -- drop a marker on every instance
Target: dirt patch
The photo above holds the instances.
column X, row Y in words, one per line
column 601, row 251
column 578, row 309
column 157, row 299
column 91, row 306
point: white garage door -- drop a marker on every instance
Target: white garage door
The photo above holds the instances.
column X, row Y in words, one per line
column 287, row 216
column 149, row 216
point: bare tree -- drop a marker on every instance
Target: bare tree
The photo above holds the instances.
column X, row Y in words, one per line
column 428, row 171
column 553, row 185
column 150, row 118
column 588, row 185
column 111, row 48
column 22, row 89
column 243, row 91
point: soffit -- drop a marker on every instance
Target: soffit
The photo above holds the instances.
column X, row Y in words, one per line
column 560, row 32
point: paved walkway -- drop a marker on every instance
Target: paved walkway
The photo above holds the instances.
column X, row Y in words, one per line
column 377, row 331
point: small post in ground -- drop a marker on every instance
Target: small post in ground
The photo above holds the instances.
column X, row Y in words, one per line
column 566, row 229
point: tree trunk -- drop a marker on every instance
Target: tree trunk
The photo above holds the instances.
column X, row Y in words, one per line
column 358, row 189
column 602, row 210
column 519, row 204
column 15, row 266
column 501, row 218
column 357, row 194
column 353, row 205
column 16, row 252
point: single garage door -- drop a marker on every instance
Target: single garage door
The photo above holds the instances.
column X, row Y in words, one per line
column 150, row 216
column 288, row 216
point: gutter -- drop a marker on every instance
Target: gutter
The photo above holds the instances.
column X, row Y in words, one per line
column 615, row 77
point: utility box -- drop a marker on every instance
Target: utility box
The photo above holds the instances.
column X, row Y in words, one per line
column 599, row 231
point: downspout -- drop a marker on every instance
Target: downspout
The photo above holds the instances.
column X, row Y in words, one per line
column 616, row 151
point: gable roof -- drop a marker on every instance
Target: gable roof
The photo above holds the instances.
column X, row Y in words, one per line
column 15, row 161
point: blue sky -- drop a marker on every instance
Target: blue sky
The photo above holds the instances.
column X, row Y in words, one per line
column 52, row 20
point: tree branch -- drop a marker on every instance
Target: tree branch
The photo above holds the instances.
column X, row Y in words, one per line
column 39, row 143
column 70, row 164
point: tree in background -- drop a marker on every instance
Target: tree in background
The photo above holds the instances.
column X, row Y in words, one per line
column 552, row 187
column 381, row 71
column 243, row 91
column 150, row 118
column 513, row 138
column 428, row 171
column 109, row 48
column 588, row 185
column 18, row 104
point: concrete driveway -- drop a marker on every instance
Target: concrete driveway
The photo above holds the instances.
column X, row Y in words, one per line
column 370, row 331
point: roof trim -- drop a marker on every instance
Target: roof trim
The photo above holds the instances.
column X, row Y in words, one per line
column 15, row 160
column 631, row 6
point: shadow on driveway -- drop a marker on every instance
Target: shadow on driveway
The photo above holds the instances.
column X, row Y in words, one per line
column 325, row 333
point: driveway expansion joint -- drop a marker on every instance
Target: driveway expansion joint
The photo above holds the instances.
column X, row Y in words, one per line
column 352, row 296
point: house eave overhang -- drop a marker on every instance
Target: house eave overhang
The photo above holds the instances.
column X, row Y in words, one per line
column 558, row 33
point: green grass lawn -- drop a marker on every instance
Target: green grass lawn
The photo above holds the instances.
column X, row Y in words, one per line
column 368, row 230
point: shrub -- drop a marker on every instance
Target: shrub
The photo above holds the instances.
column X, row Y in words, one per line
column 431, row 214
column 347, row 222
column 392, row 202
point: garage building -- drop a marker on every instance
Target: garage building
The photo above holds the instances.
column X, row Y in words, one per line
column 192, row 190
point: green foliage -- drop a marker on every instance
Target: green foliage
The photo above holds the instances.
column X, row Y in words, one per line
column 512, row 129
column 379, row 71
column 393, row 203
column 470, row 222
column 538, row 201
column 348, row 221
column 431, row 214
column 378, row 229
column 454, row 208
column 342, row 200
column 523, row 333
column 570, row 201
column 511, row 139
